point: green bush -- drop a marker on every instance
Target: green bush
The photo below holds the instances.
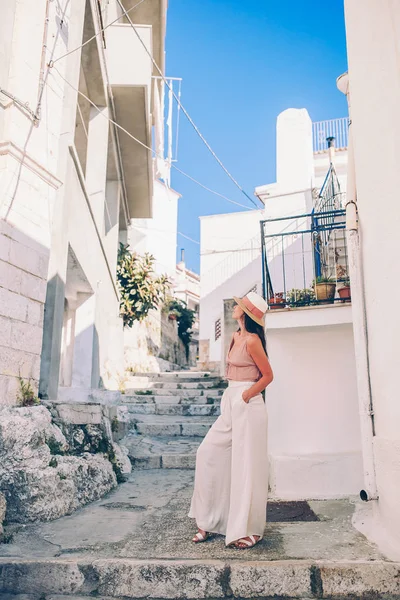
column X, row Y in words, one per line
column 303, row 297
column 140, row 289
column 185, row 318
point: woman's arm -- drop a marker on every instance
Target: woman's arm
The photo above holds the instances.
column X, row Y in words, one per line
column 257, row 353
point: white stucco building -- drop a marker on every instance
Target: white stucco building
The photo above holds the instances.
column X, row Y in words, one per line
column 230, row 244
column 72, row 185
column 373, row 89
column 314, row 431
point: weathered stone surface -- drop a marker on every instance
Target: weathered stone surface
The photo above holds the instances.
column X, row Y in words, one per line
column 37, row 477
column 109, row 579
column 359, row 579
column 263, row 579
column 161, row 579
column 41, row 577
column 3, row 506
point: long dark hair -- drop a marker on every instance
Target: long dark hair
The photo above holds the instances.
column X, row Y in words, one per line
column 253, row 327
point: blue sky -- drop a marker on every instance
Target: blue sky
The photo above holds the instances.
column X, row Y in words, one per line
column 242, row 63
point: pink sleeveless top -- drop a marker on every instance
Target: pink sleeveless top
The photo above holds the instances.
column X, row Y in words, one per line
column 239, row 364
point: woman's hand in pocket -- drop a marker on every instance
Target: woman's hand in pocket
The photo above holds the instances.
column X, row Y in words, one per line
column 246, row 396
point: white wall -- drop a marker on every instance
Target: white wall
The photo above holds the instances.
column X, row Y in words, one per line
column 373, row 33
column 28, row 184
column 314, row 435
column 159, row 234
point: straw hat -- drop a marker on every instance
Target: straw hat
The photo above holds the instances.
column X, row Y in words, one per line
column 254, row 306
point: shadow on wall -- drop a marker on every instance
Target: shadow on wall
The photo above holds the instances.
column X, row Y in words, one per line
column 23, row 269
column 70, row 349
column 153, row 345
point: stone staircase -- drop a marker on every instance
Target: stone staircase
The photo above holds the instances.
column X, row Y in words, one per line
column 164, row 416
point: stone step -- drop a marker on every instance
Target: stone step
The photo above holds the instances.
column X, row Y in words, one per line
column 161, row 452
column 186, row 385
column 169, row 399
column 190, row 410
column 160, row 425
column 177, row 375
column 147, row 383
column 65, row 578
column 211, row 393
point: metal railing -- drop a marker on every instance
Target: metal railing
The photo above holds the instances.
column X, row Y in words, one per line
column 305, row 264
column 336, row 128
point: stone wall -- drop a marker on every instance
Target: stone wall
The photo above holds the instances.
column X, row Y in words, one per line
column 53, row 462
column 153, row 345
column 23, row 273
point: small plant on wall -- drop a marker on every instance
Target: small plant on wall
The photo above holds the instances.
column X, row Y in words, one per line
column 140, row 290
column 26, row 394
column 185, row 318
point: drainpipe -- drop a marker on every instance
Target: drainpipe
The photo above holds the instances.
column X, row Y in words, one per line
column 359, row 317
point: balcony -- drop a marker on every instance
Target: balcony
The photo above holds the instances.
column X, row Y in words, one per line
column 305, row 261
column 334, row 128
column 130, row 74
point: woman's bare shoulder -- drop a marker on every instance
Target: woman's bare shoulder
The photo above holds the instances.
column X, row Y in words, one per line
column 253, row 340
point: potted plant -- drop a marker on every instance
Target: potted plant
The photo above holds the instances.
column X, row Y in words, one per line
column 324, row 289
column 344, row 289
column 277, row 300
column 303, row 297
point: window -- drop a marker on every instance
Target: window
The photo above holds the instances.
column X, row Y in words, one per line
column 217, row 329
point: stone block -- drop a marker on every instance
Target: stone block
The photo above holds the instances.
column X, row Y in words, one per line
column 24, row 258
column 38, row 478
column 16, row 362
column 33, row 287
column 5, row 244
column 80, row 414
column 160, row 579
column 195, row 429
column 178, row 461
column 12, row 305
column 271, row 579
column 3, row 507
column 158, row 428
column 357, row 579
column 26, row 337
column 40, row 577
column 34, row 314
column 5, row 328
column 10, row 277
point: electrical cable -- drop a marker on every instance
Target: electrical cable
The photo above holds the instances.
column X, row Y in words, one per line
column 181, row 107
column 188, row 238
column 193, row 124
column 53, row 62
column 147, row 147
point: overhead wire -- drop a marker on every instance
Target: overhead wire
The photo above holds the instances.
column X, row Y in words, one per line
column 188, row 238
column 148, row 147
column 193, row 124
column 125, row 13
column 53, row 62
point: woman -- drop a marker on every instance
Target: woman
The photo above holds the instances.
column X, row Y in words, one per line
column 231, row 480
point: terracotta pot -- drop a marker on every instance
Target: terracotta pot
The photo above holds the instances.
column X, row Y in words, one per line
column 277, row 302
column 325, row 292
column 172, row 317
column 344, row 293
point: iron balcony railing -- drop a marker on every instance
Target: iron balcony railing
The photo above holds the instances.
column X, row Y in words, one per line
column 335, row 128
column 304, row 259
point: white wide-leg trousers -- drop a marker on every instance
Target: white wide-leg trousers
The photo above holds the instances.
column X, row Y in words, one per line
column 231, row 479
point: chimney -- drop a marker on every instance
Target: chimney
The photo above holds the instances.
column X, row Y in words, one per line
column 331, row 149
column 183, row 255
